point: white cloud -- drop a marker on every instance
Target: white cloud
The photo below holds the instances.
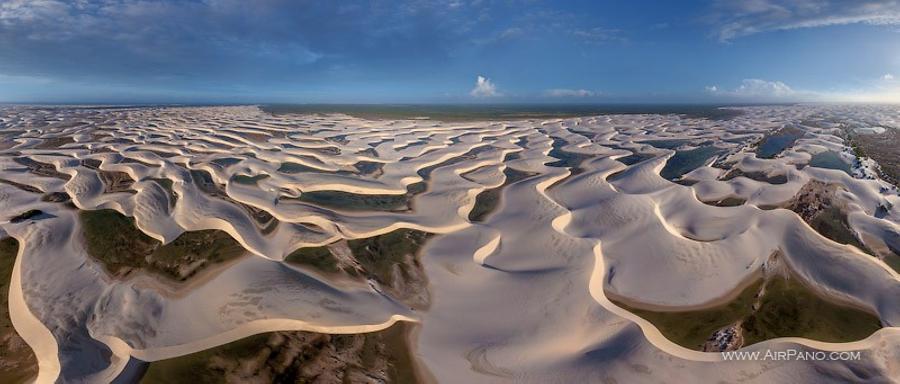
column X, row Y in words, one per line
column 597, row 35
column 883, row 90
column 484, row 88
column 738, row 18
column 757, row 87
column 761, row 90
column 562, row 92
column 19, row 79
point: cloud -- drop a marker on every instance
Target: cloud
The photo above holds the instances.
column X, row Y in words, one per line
column 598, row 35
column 737, row 18
column 237, row 47
column 882, row 89
column 506, row 35
column 761, row 90
column 484, row 88
column 757, row 87
column 272, row 42
column 8, row 79
column 562, row 92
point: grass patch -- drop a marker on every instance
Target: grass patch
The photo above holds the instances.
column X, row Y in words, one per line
column 318, row 258
column 690, row 329
column 113, row 240
column 390, row 259
column 785, row 308
column 296, row 357
column 832, row 223
column 893, row 261
column 881, row 147
column 788, row 308
column 818, row 205
column 379, row 255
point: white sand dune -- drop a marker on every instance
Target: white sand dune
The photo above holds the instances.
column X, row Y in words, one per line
column 521, row 296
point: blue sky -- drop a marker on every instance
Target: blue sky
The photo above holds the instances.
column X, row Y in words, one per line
column 458, row 51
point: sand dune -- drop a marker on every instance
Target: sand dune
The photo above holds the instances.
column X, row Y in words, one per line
column 609, row 207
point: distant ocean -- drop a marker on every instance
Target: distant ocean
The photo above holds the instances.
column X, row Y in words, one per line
column 470, row 112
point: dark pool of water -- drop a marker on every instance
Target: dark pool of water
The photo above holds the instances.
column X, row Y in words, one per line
column 829, row 160
column 685, row 161
column 778, row 141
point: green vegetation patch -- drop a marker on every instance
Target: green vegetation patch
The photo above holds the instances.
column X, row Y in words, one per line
column 318, row 258
column 390, row 259
column 113, row 240
column 379, row 255
column 788, row 308
column 893, row 261
column 817, row 204
column 882, row 148
column 776, row 307
column 833, row 224
column 691, row 329
column 18, row 363
column 296, row 357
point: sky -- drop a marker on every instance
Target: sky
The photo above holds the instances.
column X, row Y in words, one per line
column 457, row 51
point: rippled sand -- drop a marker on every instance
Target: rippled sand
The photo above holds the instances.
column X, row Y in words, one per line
column 663, row 212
